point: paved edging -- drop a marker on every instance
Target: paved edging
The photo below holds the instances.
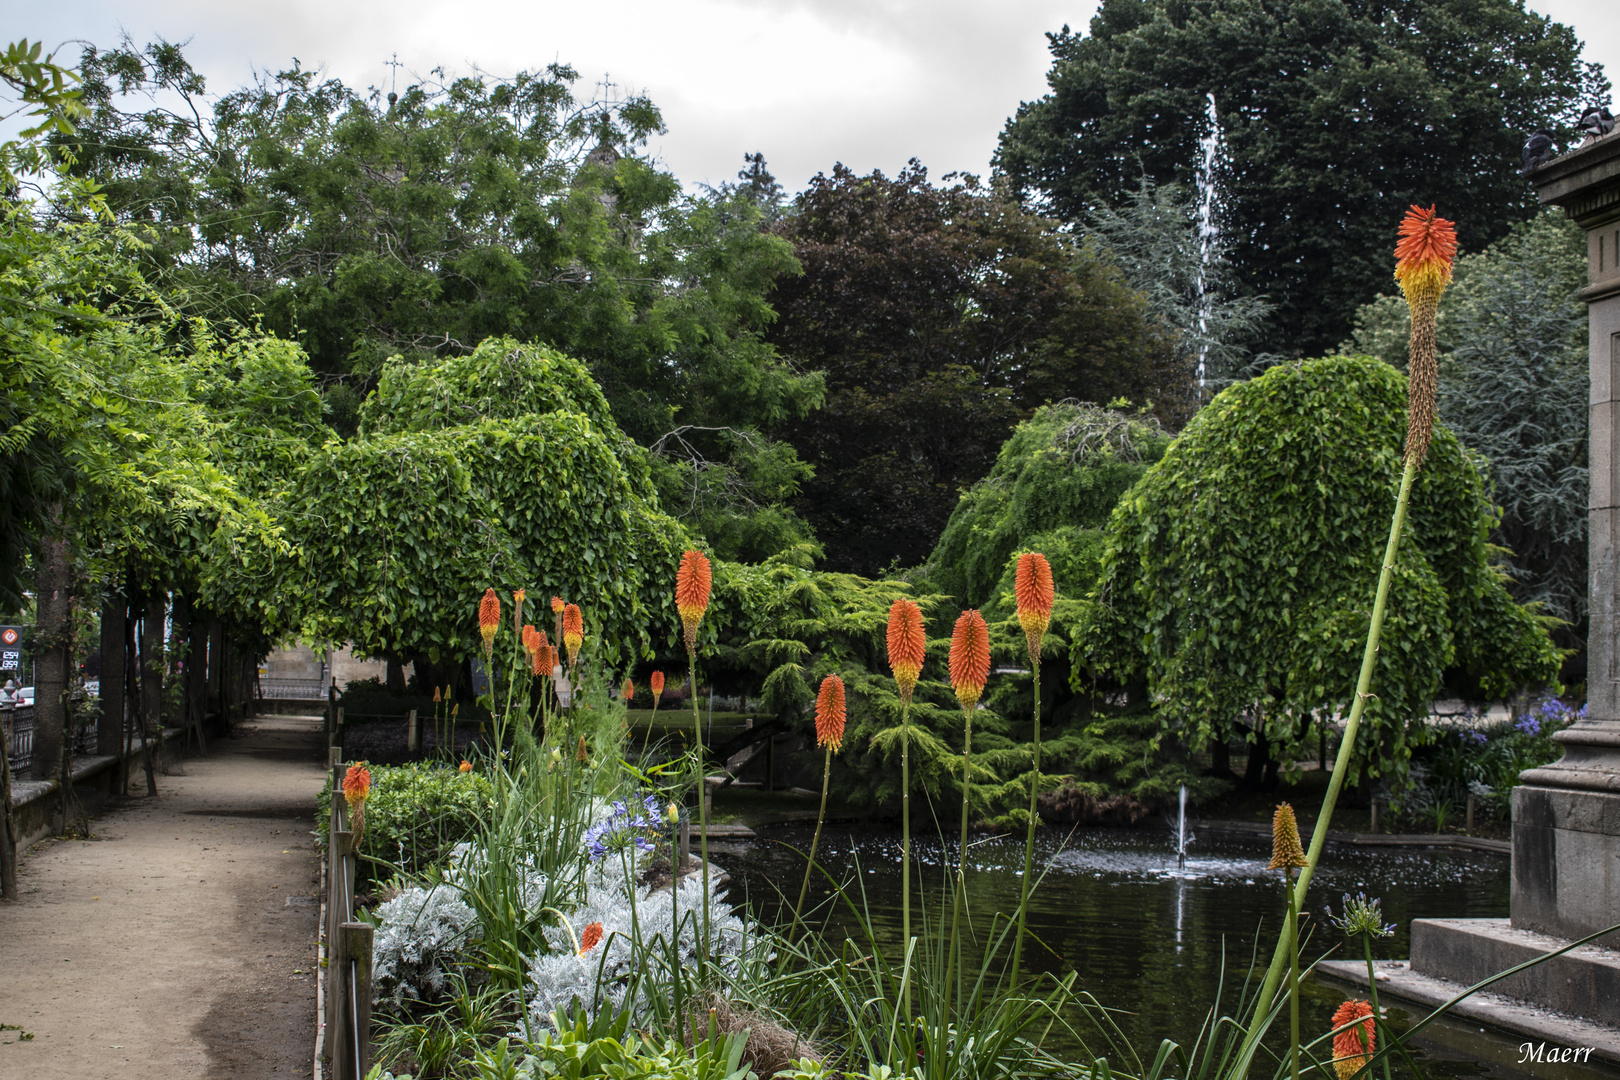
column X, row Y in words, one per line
column 1335, row 836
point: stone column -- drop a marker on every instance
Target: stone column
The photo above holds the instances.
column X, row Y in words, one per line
column 1566, row 816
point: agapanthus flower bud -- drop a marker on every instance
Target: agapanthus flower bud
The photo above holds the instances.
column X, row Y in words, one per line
column 970, row 658
column 830, row 713
column 907, row 645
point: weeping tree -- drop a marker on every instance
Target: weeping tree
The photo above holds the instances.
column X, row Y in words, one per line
column 1237, row 575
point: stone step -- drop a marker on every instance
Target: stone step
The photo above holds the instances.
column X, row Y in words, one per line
column 1546, row 1032
column 1584, row 982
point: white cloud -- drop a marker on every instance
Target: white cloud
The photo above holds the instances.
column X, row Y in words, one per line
column 870, row 83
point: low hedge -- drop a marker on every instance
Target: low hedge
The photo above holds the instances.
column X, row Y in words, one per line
column 415, row 814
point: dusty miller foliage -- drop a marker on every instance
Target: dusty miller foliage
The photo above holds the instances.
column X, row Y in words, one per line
column 1513, row 388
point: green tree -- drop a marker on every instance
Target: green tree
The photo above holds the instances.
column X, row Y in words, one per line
column 1238, row 574
column 1338, row 113
column 1514, row 388
column 37, row 88
column 942, row 314
column 460, row 210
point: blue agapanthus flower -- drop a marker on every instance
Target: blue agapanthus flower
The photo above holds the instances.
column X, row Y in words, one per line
column 626, row 826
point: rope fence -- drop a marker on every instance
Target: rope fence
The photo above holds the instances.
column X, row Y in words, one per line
column 346, row 1039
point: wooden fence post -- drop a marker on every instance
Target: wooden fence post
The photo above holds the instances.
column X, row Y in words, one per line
column 357, row 942
column 8, row 837
column 1470, row 826
column 411, row 741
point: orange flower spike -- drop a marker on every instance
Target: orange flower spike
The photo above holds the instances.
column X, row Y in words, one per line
column 556, row 605
column 1033, row 589
column 1349, row 1054
column 656, row 681
column 830, row 714
column 629, row 690
column 436, row 697
column 970, row 658
column 573, row 631
column 489, row 618
column 590, row 938
column 907, row 645
column 517, row 610
column 692, row 582
column 466, row 766
column 1423, row 258
column 356, row 784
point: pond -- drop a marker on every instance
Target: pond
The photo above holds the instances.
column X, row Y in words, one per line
column 1143, row 935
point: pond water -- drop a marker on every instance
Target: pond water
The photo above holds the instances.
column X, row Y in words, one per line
column 1144, row 935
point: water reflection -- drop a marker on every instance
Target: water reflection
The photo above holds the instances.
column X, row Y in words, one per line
column 1144, row 935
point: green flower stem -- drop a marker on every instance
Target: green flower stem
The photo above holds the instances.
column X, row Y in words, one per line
column 815, row 841
column 1372, row 994
column 905, row 851
column 1029, row 839
column 1293, row 974
column 959, row 894
column 703, row 807
column 1341, row 765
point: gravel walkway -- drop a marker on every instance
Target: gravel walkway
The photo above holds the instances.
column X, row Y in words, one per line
column 180, row 940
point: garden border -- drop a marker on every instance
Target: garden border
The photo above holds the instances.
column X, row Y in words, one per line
column 1428, row 840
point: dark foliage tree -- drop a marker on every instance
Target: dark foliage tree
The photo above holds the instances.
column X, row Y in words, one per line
column 1337, row 113
column 942, row 314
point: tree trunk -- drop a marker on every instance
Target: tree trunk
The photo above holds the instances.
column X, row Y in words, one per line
column 1220, row 757
column 396, row 676
column 197, row 670
column 151, row 685
column 216, row 674
column 1254, row 774
column 110, row 728
column 51, row 647
column 179, row 659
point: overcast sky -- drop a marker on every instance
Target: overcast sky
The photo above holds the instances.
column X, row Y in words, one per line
column 870, row 83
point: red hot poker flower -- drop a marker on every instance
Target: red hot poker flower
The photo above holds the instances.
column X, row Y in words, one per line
column 907, row 645
column 1349, row 1055
column 656, row 681
column 970, row 658
column 356, row 784
column 489, row 618
column 830, row 713
column 1423, row 267
column 556, row 605
column 590, row 938
column 1033, row 588
column 573, row 631
column 629, row 690
column 466, row 766
column 692, row 582
column 1424, row 252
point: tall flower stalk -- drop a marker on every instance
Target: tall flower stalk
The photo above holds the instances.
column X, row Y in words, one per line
column 692, row 583
column 1288, row 856
column 907, row 650
column 830, row 737
column 1423, row 257
column 1032, row 588
column 970, row 670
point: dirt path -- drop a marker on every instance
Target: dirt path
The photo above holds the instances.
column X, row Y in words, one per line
column 181, row 940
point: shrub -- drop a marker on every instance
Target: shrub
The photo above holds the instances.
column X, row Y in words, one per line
column 415, row 815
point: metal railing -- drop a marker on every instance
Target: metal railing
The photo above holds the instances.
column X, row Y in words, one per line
column 20, row 720
column 294, row 689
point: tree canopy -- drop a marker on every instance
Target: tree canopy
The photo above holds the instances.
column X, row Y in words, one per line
column 942, row 314
column 1239, row 573
column 1337, row 113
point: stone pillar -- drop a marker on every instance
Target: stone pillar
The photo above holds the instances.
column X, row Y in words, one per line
column 1566, row 816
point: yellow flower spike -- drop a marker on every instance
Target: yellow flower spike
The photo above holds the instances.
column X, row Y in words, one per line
column 1286, row 851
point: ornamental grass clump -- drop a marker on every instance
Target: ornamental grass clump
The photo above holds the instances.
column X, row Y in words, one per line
column 1032, row 588
column 830, row 715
